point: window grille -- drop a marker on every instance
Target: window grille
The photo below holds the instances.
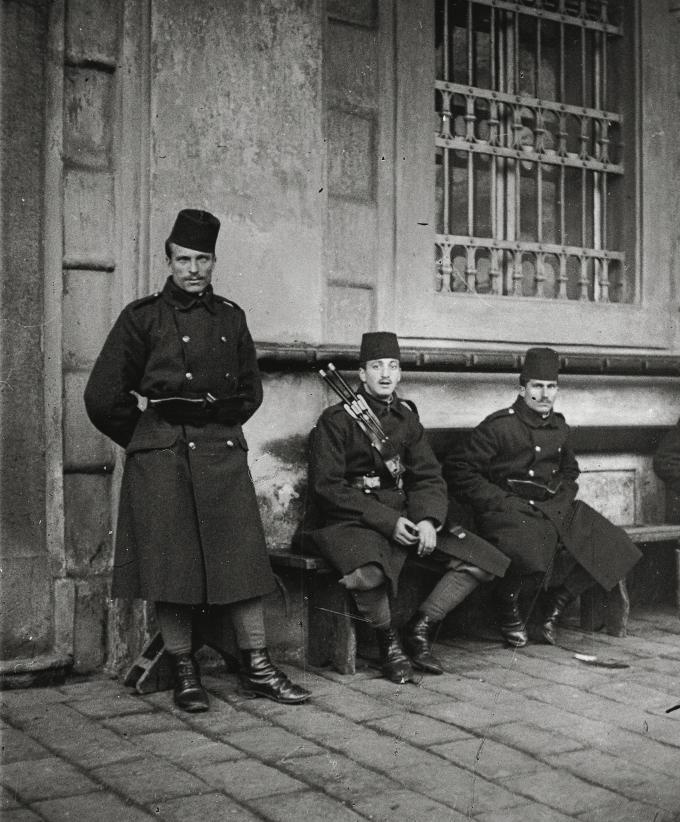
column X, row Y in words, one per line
column 529, row 168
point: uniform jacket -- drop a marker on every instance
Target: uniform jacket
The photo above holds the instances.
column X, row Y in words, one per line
column 518, row 472
column 189, row 528
column 356, row 525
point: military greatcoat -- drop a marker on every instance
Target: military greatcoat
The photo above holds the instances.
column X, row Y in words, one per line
column 358, row 522
column 518, row 472
column 189, row 529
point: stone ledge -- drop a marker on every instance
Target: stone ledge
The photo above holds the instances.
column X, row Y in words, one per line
column 36, row 671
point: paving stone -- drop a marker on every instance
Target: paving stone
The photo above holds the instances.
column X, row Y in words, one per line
column 660, row 791
column 533, row 740
column 100, row 806
column 612, row 772
column 464, row 791
column 145, row 723
column 20, row 815
column 469, row 716
column 186, row 747
column 339, row 776
column 91, row 688
column 7, row 799
column 66, row 732
column 44, row 778
column 17, row 746
column 418, row 730
column 275, row 744
column 247, row 779
column 118, row 704
column 405, row 696
column 406, row 806
column 527, row 813
column 472, row 690
column 149, row 779
column 207, row 807
column 626, row 810
column 304, row 806
column 560, row 790
column 13, row 702
column 355, row 706
column 632, row 694
column 490, row 759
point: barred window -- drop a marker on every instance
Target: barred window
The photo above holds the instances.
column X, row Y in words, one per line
column 531, row 184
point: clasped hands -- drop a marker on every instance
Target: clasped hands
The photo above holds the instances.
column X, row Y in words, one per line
column 423, row 534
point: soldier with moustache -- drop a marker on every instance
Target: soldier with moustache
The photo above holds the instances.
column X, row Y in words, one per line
column 518, row 472
column 373, row 521
column 189, row 536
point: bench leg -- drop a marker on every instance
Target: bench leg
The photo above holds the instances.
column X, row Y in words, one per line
column 331, row 632
column 592, row 609
column 618, row 609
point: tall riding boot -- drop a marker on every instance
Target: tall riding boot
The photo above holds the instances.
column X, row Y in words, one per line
column 558, row 600
column 189, row 694
column 396, row 666
column 260, row 677
column 511, row 624
column 417, row 642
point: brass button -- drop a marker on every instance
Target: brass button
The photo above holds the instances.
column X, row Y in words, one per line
column 186, row 338
column 227, row 375
column 511, row 410
column 537, row 448
column 223, row 338
column 230, row 443
column 189, row 375
column 531, row 472
column 192, row 445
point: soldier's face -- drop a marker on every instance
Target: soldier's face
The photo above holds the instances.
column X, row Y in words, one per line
column 539, row 395
column 381, row 377
column 190, row 270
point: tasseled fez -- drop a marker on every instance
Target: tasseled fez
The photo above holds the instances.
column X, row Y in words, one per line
column 378, row 345
column 195, row 229
column 541, row 364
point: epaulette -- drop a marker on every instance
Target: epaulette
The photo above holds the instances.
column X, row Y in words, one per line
column 145, row 300
column 502, row 412
column 410, row 405
column 225, row 301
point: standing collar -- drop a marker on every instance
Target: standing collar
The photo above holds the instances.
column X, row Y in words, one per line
column 381, row 407
column 183, row 300
column 531, row 417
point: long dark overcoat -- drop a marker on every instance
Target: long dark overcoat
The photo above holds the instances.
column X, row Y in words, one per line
column 358, row 524
column 501, row 471
column 189, row 528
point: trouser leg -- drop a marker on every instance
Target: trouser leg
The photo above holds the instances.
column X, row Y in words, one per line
column 176, row 623
column 510, row 623
column 373, row 604
column 576, row 582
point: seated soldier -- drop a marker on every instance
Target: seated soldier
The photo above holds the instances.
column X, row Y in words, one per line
column 380, row 508
column 519, row 474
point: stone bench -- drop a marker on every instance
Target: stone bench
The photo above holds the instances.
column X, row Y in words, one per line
column 330, row 624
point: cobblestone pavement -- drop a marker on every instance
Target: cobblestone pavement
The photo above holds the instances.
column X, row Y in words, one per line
column 503, row 736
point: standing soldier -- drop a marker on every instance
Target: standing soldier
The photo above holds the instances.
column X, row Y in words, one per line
column 519, row 474
column 378, row 511
column 189, row 535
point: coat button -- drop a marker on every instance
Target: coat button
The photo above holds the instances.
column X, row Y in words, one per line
column 531, row 472
column 537, row 448
column 227, row 375
column 531, row 502
column 186, row 338
column 559, row 450
column 189, row 375
column 192, row 445
column 230, row 443
column 223, row 338
column 511, row 410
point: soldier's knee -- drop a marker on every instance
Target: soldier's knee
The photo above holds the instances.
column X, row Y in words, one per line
column 364, row 578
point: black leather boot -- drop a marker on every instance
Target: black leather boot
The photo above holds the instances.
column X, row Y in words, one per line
column 417, row 642
column 260, row 677
column 558, row 599
column 189, row 694
column 396, row 666
column 510, row 623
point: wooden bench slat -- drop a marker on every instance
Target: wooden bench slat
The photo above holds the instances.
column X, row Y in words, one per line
column 663, row 532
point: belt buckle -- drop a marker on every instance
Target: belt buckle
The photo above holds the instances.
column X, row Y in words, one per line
column 370, row 483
